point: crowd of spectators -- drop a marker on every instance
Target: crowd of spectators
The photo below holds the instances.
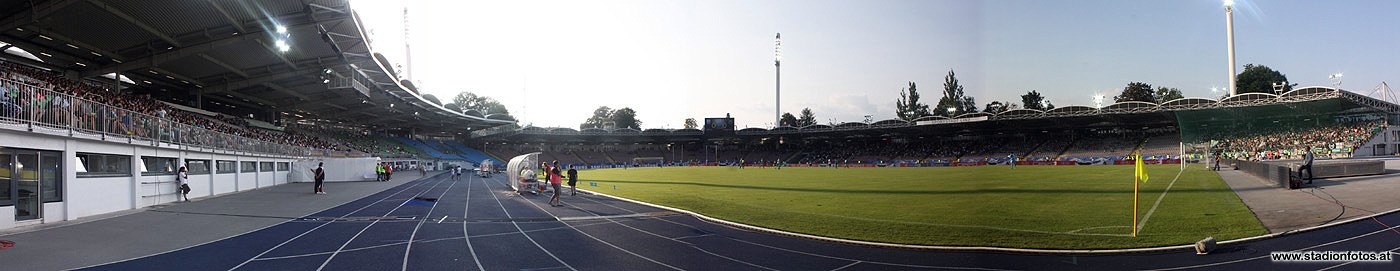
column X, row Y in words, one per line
column 91, row 107
column 1291, row 142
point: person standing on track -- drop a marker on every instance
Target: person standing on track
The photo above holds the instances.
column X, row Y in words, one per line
column 1307, row 165
column 573, row 181
column 555, row 181
column 457, row 174
column 389, row 173
column 183, row 180
column 319, row 175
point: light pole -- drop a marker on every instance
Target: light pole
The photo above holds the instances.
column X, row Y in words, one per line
column 1230, row 41
column 1336, row 80
column 778, row 79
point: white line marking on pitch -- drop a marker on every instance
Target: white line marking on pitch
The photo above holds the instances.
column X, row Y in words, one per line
column 1159, row 201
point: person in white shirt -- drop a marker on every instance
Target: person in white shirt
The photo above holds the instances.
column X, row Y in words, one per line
column 183, row 180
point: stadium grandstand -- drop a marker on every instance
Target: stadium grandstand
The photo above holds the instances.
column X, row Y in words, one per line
column 1334, row 122
column 131, row 89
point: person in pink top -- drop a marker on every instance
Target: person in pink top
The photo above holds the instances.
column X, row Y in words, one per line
column 555, row 181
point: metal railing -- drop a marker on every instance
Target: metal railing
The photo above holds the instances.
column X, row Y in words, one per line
column 33, row 108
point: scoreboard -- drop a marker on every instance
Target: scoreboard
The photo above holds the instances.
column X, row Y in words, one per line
column 719, row 126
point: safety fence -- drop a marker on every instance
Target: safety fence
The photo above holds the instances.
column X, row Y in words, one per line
column 27, row 107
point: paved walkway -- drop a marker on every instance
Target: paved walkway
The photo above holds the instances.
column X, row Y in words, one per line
column 1281, row 209
column 157, row 229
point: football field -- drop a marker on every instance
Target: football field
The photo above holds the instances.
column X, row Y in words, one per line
column 1063, row 207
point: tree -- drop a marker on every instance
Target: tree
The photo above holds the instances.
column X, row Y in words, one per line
column 690, row 123
column 997, row 107
column 808, row 118
column 788, row 120
column 968, row 105
column 953, row 98
column 1033, row 100
column 1165, row 94
column 600, row 116
column 466, row 100
column 625, row 118
column 908, row 106
column 1136, row 91
column 1260, row 79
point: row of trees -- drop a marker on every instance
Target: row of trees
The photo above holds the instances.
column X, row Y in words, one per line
column 956, row 102
column 1254, row 79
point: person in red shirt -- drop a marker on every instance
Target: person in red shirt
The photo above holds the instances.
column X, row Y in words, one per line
column 556, row 181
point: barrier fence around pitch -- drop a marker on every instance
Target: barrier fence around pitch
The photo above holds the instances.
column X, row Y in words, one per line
column 32, row 107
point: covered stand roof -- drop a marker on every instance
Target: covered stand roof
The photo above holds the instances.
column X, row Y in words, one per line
column 227, row 52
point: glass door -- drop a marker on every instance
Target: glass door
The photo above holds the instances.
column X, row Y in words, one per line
column 27, row 202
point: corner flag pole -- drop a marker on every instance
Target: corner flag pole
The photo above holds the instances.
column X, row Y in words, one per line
column 1137, row 164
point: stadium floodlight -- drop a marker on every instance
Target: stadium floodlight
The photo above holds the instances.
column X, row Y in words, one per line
column 1336, row 80
column 281, row 29
column 1230, row 42
column 1098, row 100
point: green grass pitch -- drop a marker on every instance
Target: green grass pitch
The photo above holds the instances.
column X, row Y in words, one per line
column 1060, row 207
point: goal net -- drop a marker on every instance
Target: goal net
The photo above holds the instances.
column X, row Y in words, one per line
column 648, row 160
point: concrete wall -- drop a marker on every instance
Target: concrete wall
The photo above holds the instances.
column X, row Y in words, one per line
column 88, row 196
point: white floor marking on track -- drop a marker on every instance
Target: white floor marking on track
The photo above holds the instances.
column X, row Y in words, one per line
column 1267, row 256
column 441, row 219
column 421, row 182
column 371, row 224
column 466, row 237
column 1159, row 201
column 693, row 246
column 537, row 206
column 522, row 231
column 409, row 248
column 848, row 265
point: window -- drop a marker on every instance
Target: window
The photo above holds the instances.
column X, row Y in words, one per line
column 284, row 166
column 248, row 167
column 50, row 177
column 197, row 167
column 265, row 167
column 103, row 165
column 225, row 166
column 154, row 166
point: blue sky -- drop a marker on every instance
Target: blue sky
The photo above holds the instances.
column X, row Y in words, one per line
column 553, row 62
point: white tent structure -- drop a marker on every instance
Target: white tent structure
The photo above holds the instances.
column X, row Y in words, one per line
column 513, row 168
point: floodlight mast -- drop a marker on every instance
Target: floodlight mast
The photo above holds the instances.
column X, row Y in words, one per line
column 1230, row 42
column 778, row 80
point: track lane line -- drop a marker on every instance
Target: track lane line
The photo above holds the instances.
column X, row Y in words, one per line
column 537, row 206
column 420, row 182
column 465, row 236
column 522, row 231
column 409, row 248
column 371, row 224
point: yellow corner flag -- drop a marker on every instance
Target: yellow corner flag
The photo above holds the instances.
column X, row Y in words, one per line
column 1140, row 172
